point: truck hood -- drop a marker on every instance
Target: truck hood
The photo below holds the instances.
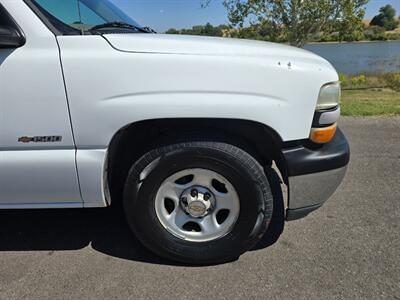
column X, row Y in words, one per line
column 198, row 45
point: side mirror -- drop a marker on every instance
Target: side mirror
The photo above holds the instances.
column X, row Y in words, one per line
column 11, row 37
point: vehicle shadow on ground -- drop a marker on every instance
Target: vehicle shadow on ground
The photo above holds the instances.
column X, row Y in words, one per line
column 53, row 230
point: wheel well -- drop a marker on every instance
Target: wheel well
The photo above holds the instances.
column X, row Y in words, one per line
column 134, row 140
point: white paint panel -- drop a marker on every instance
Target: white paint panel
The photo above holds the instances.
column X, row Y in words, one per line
column 109, row 89
column 35, row 177
column 32, row 93
column 33, row 103
column 203, row 45
column 91, row 170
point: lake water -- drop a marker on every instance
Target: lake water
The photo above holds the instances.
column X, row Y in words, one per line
column 355, row 58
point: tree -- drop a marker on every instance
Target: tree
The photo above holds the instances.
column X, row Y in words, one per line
column 172, row 31
column 207, row 30
column 386, row 18
column 295, row 20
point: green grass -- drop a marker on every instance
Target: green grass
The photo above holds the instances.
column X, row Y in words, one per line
column 370, row 102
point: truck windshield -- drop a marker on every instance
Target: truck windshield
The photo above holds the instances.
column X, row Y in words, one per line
column 86, row 17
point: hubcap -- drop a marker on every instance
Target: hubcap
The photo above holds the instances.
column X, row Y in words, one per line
column 197, row 201
column 197, row 205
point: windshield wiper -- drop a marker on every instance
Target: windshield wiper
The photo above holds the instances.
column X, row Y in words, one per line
column 149, row 29
column 121, row 25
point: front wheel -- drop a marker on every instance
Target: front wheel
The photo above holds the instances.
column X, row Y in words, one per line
column 198, row 202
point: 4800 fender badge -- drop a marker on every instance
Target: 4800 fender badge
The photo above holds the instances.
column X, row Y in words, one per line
column 40, row 139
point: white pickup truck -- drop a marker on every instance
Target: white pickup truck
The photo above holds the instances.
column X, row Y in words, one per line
column 183, row 131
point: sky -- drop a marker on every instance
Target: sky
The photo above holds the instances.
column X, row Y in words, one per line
column 164, row 14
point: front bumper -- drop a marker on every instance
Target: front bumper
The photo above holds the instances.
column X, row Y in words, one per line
column 314, row 174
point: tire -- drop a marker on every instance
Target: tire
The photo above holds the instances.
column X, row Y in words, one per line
column 235, row 175
column 277, row 223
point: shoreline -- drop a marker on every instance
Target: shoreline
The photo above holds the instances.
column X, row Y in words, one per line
column 354, row 42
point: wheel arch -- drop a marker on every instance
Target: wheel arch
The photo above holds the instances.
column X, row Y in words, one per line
column 133, row 140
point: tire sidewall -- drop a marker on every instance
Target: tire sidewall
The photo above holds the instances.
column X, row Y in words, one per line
column 140, row 193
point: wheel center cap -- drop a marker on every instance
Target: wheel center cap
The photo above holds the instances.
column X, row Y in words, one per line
column 197, row 208
column 197, row 201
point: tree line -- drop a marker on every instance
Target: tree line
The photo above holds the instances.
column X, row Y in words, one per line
column 300, row 21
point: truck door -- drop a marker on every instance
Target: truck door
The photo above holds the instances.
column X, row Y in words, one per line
column 37, row 151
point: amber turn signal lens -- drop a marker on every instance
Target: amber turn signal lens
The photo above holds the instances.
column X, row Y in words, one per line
column 323, row 135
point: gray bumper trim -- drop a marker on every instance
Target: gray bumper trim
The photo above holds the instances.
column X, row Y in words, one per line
column 299, row 213
column 314, row 189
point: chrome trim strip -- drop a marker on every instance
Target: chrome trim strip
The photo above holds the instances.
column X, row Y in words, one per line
column 42, row 205
column 329, row 117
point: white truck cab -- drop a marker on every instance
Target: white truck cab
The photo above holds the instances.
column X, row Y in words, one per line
column 96, row 109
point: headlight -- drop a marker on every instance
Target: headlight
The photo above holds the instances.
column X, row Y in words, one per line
column 329, row 96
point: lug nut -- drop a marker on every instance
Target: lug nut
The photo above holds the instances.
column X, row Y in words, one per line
column 184, row 200
column 206, row 196
column 193, row 193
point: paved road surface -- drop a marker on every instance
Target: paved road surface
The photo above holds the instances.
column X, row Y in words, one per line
column 348, row 249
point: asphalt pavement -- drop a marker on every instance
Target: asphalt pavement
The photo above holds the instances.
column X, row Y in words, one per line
column 349, row 249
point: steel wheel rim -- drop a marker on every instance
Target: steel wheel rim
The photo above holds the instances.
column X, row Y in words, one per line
column 197, row 219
